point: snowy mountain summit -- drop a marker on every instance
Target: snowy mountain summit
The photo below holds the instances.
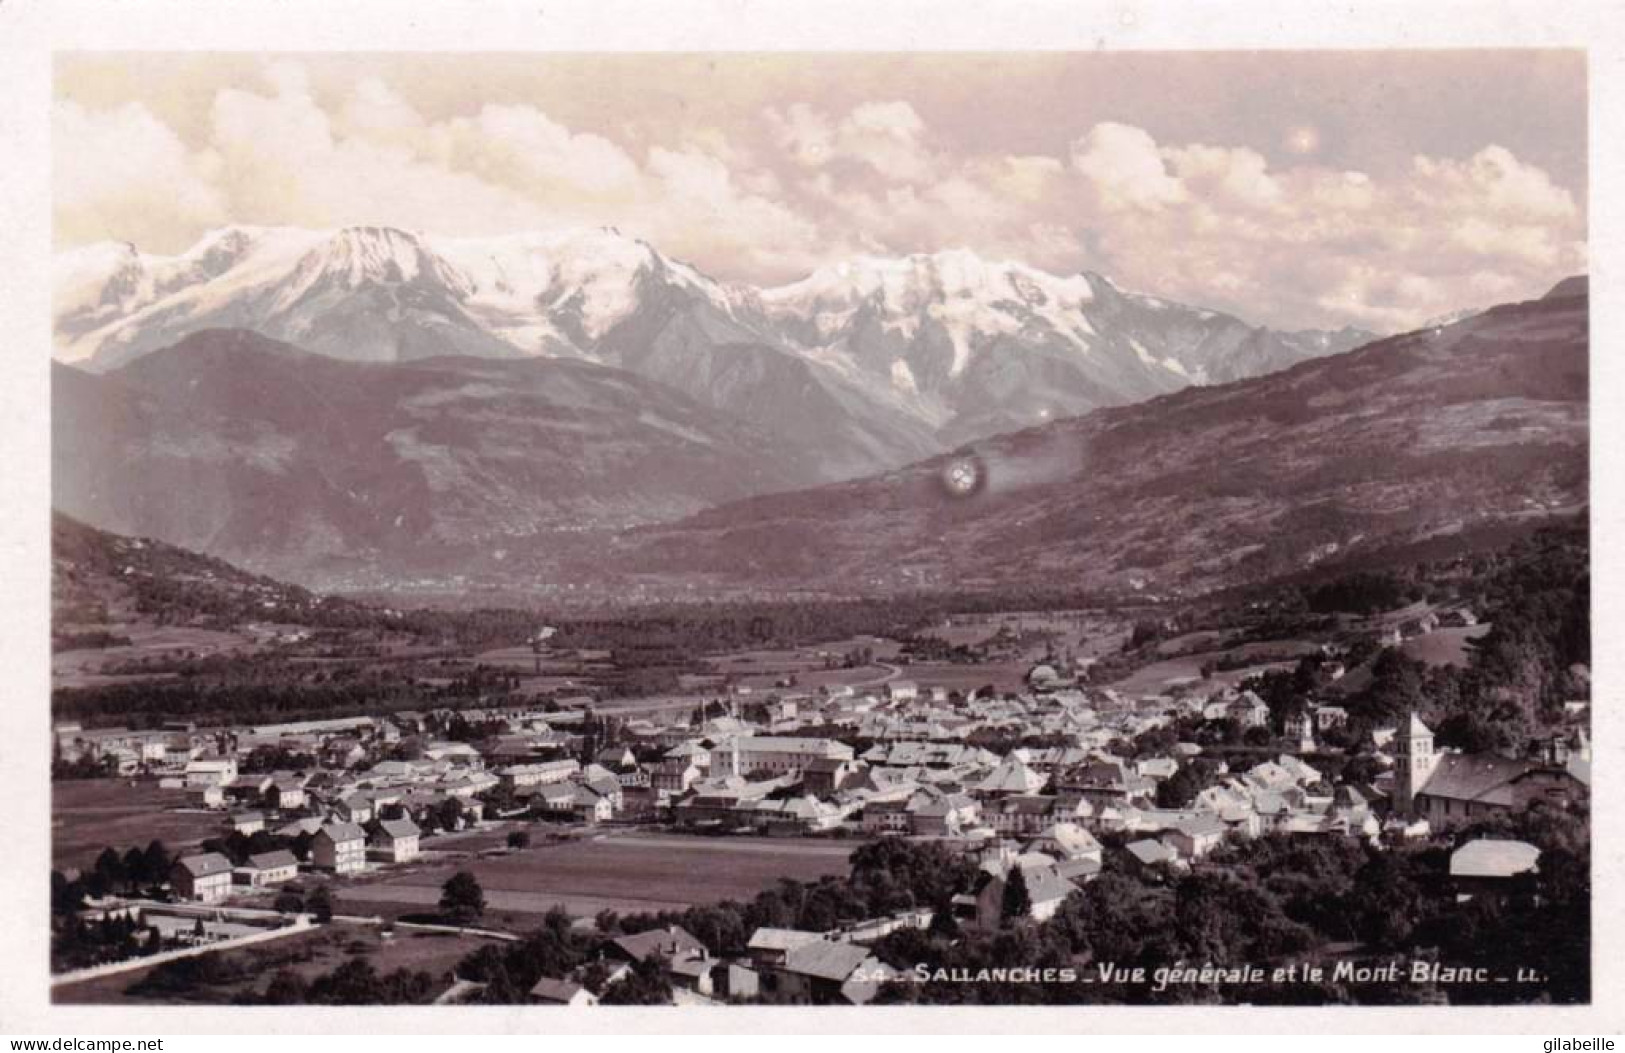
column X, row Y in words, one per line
column 874, row 361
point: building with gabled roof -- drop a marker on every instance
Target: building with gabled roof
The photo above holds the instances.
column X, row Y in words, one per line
column 268, row 868
column 548, row 991
column 340, row 847
column 203, row 878
column 396, row 840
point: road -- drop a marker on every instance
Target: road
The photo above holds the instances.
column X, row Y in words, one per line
column 113, row 968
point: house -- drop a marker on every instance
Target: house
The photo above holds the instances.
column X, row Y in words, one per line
column 541, row 773
column 889, row 816
column 1046, row 889
column 768, row 946
column 903, row 690
column 670, row 943
column 212, row 795
column 1066, row 841
column 340, row 847
column 688, row 962
column 1020, row 816
column 589, row 804
column 1488, row 866
column 285, row 795
column 355, row 808
column 202, row 878
column 1328, row 717
column 674, row 775
column 1011, row 778
column 1411, row 628
column 211, row 771
column 549, row 991
column 248, row 822
column 1195, row 836
column 396, row 840
column 825, row 775
column 936, row 814
column 1151, row 853
column 828, row 972
column 554, row 800
column 1104, row 784
column 1248, row 710
column 268, row 868
column 1299, row 727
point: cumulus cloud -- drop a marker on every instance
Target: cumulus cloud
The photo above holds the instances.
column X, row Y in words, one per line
column 1125, row 168
column 123, row 174
column 798, row 186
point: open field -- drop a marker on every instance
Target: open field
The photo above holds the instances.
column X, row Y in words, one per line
column 87, row 815
column 82, row 668
column 623, row 872
column 1178, row 672
column 309, row 954
column 1004, row 676
column 1444, row 646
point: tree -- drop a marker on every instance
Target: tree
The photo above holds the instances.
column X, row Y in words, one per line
column 135, row 868
column 289, row 901
column 1018, row 901
column 519, row 839
column 110, row 873
column 158, row 861
column 461, row 898
column 286, row 988
column 320, row 904
column 646, row 984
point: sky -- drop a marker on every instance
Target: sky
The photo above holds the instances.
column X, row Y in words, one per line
column 1295, row 189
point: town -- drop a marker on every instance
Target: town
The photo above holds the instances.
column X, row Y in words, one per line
column 465, row 823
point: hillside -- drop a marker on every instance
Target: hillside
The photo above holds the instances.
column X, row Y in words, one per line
column 1434, row 434
column 104, row 585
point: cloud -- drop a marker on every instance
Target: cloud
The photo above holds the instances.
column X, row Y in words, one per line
column 1125, row 168
column 795, row 186
column 123, row 174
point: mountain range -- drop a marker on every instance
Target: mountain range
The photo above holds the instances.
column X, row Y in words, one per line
column 375, row 406
column 1443, row 435
column 249, row 449
column 867, row 365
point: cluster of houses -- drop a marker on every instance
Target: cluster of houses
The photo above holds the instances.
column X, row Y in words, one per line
column 782, row 965
column 919, row 773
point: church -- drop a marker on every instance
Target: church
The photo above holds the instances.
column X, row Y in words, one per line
column 1444, row 787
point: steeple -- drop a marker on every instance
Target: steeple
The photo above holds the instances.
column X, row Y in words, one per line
column 1414, row 763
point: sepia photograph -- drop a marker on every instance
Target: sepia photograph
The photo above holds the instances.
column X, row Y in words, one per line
column 731, row 528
